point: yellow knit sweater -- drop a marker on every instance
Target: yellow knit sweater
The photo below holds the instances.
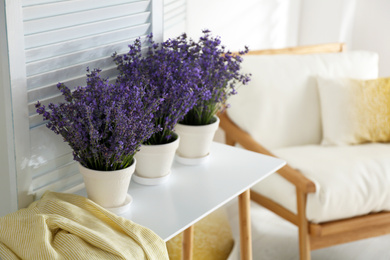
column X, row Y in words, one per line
column 68, row 226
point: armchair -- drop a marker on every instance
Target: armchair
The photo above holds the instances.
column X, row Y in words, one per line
column 333, row 193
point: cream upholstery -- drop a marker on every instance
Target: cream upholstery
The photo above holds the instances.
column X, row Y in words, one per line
column 333, row 194
column 350, row 180
column 280, row 106
column 281, row 110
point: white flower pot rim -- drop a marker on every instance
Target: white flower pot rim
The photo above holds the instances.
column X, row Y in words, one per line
column 195, row 140
column 213, row 122
column 199, row 128
column 155, row 162
column 105, row 174
column 160, row 148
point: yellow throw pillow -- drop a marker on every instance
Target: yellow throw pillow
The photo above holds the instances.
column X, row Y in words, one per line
column 213, row 239
column 354, row 111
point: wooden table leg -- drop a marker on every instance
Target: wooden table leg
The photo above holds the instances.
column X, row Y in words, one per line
column 245, row 225
column 188, row 243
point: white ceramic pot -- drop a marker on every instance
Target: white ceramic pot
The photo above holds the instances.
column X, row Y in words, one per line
column 108, row 188
column 195, row 140
column 154, row 162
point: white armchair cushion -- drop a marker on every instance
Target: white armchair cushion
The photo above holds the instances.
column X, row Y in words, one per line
column 280, row 106
column 350, row 180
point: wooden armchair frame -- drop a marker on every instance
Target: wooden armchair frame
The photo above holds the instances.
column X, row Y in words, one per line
column 311, row 235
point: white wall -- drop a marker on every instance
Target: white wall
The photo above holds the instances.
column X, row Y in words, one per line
column 361, row 24
column 265, row 24
column 370, row 31
column 259, row 24
column 325, row 21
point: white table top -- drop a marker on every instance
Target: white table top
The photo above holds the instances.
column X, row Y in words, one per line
column 192, row 192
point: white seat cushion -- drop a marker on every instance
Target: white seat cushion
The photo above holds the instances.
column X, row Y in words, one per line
column 350, row 180
column 280, row 106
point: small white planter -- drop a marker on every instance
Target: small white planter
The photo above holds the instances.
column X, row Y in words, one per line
column 154, row 163
column 195, row 141
column 108, row 188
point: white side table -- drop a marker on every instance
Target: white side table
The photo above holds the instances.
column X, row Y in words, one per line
column 192, row 192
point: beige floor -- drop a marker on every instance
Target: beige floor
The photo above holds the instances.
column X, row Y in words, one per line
column 276, row 239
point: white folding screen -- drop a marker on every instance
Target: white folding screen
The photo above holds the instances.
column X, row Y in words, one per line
column 8, row 196
column 53, row 41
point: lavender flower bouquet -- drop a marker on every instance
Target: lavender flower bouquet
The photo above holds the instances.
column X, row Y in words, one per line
column 175, row 76
column 220, row 73
column 103, row 123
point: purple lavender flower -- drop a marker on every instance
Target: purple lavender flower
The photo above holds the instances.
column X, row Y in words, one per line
column 193, row 78
column 220, row 72
column 104, row 123
column 174, row 75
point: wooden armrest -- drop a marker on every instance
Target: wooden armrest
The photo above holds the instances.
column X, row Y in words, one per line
column 243, row 138
column 319, row 48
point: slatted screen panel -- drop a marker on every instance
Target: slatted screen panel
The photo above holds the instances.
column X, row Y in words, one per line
column 175, row 16
column 63, row 38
